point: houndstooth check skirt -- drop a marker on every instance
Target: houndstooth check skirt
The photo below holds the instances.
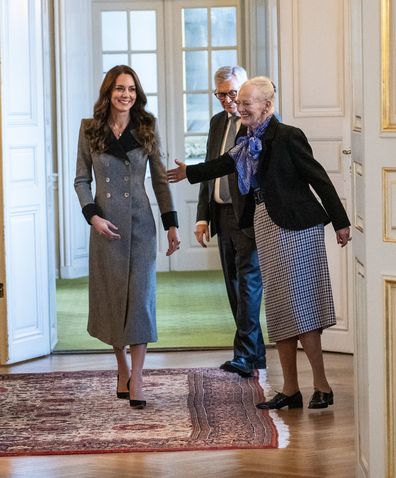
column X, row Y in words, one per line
column 296, row 281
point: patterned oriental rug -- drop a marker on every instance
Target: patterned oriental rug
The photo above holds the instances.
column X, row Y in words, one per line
column 187, row 409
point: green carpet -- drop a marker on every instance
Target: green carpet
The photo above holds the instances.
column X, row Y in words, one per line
column 192, row 311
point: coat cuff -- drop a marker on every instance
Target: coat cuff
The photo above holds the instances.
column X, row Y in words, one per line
column 169, row 219
column 90, row 210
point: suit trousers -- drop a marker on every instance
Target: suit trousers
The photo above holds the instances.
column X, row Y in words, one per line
column 242, row 276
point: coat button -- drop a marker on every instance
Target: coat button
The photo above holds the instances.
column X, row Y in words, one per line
column 126, row 178
column 126, row 195
column 126, row 162
column 107, row 180
column 108, row 195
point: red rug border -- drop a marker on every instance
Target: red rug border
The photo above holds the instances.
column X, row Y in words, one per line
column 274, row 445
column 140, row 450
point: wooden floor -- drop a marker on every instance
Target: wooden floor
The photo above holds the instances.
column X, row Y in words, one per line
column 321, row 444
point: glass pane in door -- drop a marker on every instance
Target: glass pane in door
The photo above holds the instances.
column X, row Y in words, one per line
column 195, row 27
column 205, row 49
column 196, row 113
column 196, row 70
column 222, row 58
column 195, row 149
column 114, row 31
column 143, row 30
column 145, row 65
column 223, row 26
column 110, row 60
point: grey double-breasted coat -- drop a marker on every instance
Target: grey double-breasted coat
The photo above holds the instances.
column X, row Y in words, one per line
column 122, row 273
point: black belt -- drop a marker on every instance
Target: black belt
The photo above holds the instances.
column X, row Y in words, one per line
column 258, row 196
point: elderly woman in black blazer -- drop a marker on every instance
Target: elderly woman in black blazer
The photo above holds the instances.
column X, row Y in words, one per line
column 275, row 170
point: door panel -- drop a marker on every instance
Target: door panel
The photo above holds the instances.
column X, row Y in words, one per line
column 314, row 89
column 191, row 32
column 29, row 291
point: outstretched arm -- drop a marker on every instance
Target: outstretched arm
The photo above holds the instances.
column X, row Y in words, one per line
column 215, row 168
column 177, row 174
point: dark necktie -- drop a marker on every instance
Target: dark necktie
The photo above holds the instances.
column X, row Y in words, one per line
column 229, row 143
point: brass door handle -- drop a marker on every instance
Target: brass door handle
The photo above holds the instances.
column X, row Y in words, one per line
column 346, row 151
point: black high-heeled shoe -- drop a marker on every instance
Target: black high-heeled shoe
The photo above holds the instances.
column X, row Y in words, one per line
column 321, row 399
column 281, row 400
column 124, row 395
column 138, row 404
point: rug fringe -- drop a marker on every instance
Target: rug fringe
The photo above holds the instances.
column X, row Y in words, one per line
column 264, row 382
column 282, row 428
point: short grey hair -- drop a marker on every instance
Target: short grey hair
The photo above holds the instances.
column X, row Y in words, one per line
column 226, row 73
column 264, row 85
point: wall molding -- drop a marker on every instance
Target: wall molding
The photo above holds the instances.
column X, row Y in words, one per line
column 306, row 104
column 390, row 371
column 358, row 200
column 362, row 430
column 388, row 204
column 388, row 46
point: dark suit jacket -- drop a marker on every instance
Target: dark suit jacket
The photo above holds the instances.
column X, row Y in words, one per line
column 206, row 209
column 286, row 170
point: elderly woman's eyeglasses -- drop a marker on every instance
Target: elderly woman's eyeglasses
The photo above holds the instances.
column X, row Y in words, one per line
column 232, row 94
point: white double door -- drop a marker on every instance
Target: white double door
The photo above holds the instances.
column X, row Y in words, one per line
column 309, row 97
column 315, row 95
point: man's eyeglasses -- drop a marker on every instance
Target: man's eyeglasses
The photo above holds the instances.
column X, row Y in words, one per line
column 232, row 94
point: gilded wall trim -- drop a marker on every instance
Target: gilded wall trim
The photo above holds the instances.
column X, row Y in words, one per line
column 3, row 300
column 389, row 204
column 390, row 370
column 361, row 371
column 358, row 193
column 388, row 48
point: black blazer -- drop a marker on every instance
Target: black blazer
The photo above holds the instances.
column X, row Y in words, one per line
column 286, row 170
column 206, row 208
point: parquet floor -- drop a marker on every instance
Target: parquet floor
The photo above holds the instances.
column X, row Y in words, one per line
column 321, row 445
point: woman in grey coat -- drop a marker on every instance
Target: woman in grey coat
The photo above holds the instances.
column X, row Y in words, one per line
column 116, row 145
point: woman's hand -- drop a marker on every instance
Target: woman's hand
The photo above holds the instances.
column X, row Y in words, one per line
column 343, row 236
column 177, row 174
column 173, row 240
column 104, row 227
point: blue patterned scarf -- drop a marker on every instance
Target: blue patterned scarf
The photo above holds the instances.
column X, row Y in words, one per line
column 246, row 154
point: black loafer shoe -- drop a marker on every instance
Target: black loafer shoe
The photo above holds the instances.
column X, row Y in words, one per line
column 321, row 399
column 238, row 365
column 281, row 400
column 225, row 364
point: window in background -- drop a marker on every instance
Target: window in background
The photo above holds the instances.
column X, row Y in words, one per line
column 209, row 37
column 129, row 37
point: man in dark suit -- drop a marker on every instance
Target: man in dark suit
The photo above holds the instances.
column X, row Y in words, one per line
column 220, row 207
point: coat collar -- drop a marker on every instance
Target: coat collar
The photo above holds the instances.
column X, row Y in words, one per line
column 271, row 129
column 217, row 133
column 269, row 134
column 127, row 142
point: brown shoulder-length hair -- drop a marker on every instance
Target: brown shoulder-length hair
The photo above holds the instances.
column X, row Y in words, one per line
column 143, row 121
